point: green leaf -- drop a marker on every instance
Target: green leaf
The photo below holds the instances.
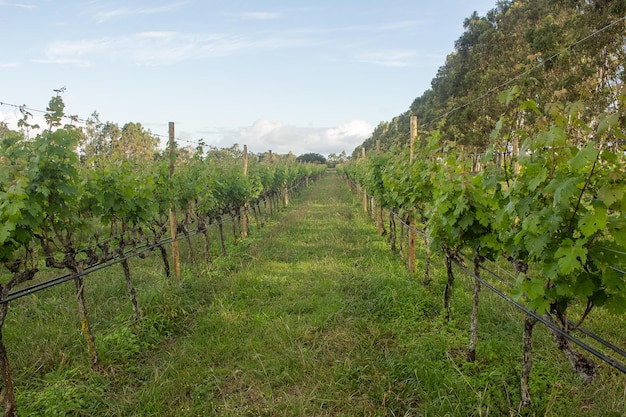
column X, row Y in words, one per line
column 5, row 232
column 466, row 220
column 563, row 188
column 607, row 122
column 571, row 256
column 619, row 234
column 536, row 244
column 564, row 290
column 584, row 287
column 536, row 176
column 495, row 133
column 534, row 288
column 532, row 224
column 556, row 137
column 576, row 108
column 509, row 95
column 616, row 304
column 584, row 156
column 541, row 305
column 530, row 105
column 593, row 221
column 611, row 193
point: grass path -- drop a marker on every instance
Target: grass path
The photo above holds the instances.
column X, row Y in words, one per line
column 289, row 328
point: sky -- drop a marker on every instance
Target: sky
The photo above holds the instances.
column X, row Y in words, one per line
column 288, row 76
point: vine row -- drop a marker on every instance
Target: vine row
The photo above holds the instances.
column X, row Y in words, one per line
column 554, row 209
column 62, row 209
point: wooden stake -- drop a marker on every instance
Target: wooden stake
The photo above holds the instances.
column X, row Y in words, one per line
column 379, row 208
column 244, row 217
column 364, row 190
column 412, row 223
column 471, row 348
column 173, row 222
column 527, row 364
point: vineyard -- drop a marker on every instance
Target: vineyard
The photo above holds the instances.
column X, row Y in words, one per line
column 59, row 212
column 312, row 314
column 516, row 173
column 136, row 280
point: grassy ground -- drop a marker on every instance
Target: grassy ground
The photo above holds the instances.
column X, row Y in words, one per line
column 313, row 315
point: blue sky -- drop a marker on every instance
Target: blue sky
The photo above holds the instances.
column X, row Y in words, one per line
column 299, row 76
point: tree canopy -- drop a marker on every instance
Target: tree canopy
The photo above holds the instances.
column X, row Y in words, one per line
column 544, row 47
column 311, row 157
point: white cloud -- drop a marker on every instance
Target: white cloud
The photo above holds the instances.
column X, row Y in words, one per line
column 264, row 135
column 144, row 48
column 18, row 5
column 159, row 48
column 349, row 131
column 9, row 64
column 103, row 16
column 64, row 61
column 11, row 119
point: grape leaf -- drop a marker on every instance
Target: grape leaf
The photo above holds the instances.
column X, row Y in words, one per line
column 536, row 244
column 571, row 256
column 610, row 193
column 593, row 221
column 584, row 156
column 564, row 188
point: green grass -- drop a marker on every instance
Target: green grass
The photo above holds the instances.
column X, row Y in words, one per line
column 312, row 315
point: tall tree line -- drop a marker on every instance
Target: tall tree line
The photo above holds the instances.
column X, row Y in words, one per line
column 535, row 44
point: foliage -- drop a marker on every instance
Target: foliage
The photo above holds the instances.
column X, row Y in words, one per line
column 314, row 317
column 559, row 206
column 518, row 40
column 463, row 210
column 311, row 157
column 566, row 211
column 87, row 211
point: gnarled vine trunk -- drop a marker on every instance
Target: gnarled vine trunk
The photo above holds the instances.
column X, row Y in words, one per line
column 527, row 364
column 85, row 325
column 392, row 231
column 220, row 226
column 10, row 405
column 584, row 366
column 448, row 291
column 471, row 349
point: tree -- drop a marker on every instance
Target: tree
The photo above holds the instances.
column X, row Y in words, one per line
column 136, row 143
column 312, row 157
column 106, row 141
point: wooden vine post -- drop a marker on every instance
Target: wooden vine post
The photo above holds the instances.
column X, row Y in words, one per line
column 286, row 194
column 379, row 210
column 271, row 195
column 412, row 222
column 244, row 217
column 364, row 190
column 173, row 222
